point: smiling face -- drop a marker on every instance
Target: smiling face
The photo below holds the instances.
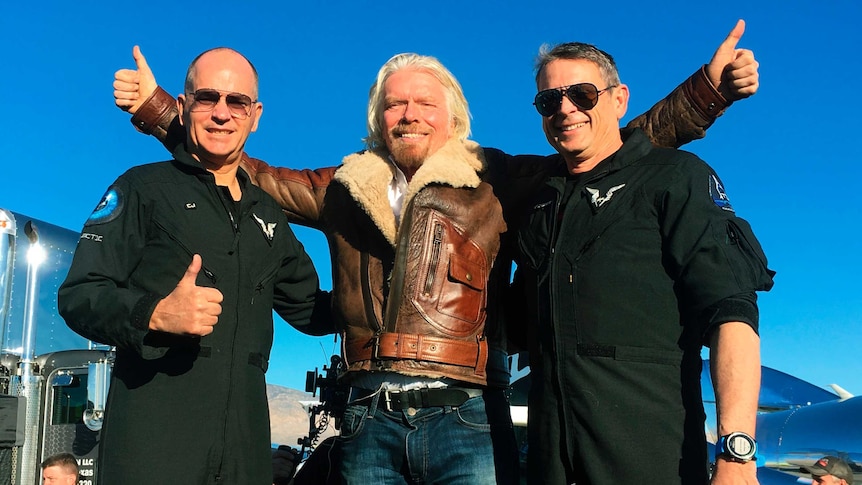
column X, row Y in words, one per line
column 216, row 137
column 416, row 117
column 583, row 137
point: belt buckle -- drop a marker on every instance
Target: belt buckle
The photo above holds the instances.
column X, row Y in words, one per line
column 375, row 347
column 387, row 400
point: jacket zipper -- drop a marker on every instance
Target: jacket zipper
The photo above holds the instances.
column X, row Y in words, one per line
column 367, row 300
column 396, row 288
column 436, row 245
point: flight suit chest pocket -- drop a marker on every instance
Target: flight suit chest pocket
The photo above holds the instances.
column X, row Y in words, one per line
column 745, row 256
column 534, row 237
column 263, row 281
column 170, row 233
column 168, row 252
column 451, row 289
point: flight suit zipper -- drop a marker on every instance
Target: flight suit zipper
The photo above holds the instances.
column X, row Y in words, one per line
column 556, row 231
column 233, row 251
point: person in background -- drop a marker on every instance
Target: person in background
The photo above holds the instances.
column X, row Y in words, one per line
column 831, row 470
column 60, row 469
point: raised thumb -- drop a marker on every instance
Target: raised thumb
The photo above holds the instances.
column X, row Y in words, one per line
column 141, row 61
column 192, row 271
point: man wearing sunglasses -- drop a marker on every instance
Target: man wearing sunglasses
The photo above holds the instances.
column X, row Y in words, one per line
column 180, row 267
column 632, row 258
column 420, row 268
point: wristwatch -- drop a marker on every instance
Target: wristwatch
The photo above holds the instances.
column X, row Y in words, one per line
column 736, row 446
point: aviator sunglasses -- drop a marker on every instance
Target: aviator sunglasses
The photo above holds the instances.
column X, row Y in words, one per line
column 583, row 95
column 206, row 100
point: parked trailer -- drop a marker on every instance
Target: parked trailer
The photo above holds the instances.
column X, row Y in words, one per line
column 53, row 383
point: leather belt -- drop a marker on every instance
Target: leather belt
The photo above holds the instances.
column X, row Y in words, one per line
column 420, row 347
column 416, row 398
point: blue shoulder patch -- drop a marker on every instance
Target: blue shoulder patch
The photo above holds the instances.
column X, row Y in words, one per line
column 719, row 196
column 109, row 208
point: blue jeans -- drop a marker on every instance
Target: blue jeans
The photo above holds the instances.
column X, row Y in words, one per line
column 472, row 444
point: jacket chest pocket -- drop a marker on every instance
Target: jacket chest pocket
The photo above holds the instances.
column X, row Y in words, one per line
column 451, row 289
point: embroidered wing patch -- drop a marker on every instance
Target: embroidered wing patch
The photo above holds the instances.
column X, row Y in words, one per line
column 596, row 197
column 268, row 228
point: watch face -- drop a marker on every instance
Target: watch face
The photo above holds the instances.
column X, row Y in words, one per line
column 740, row 445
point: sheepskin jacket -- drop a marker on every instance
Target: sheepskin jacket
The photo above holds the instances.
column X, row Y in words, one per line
column 418, row 296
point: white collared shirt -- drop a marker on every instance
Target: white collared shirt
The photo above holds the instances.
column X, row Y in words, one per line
column 397, row 189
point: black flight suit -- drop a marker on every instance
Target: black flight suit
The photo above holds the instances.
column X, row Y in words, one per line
column 184, row 410
column 627, row 269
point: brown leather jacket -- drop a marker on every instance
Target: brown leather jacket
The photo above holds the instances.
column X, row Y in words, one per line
column 422, row 298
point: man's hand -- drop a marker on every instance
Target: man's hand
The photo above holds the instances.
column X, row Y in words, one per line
column 133, row 87
column 189, row 309
column 733, row 71
column 284, row 462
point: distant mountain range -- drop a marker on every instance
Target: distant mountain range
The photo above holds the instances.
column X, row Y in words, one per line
column 288, row 420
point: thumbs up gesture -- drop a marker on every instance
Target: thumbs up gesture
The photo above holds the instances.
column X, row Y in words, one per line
column 733, row 71
column 189, row 309
column 133, row 87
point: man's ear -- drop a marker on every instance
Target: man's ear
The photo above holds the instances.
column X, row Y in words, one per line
column 181, row 108
column 620, row 97
column 256, row 112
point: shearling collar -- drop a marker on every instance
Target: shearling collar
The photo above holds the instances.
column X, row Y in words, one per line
column 367, row 175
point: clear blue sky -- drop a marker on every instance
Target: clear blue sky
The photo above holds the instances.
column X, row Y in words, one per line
column 785, row 155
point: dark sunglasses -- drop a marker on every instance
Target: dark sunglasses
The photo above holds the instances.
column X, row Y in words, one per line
column 206, row 99
column 583, row 95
